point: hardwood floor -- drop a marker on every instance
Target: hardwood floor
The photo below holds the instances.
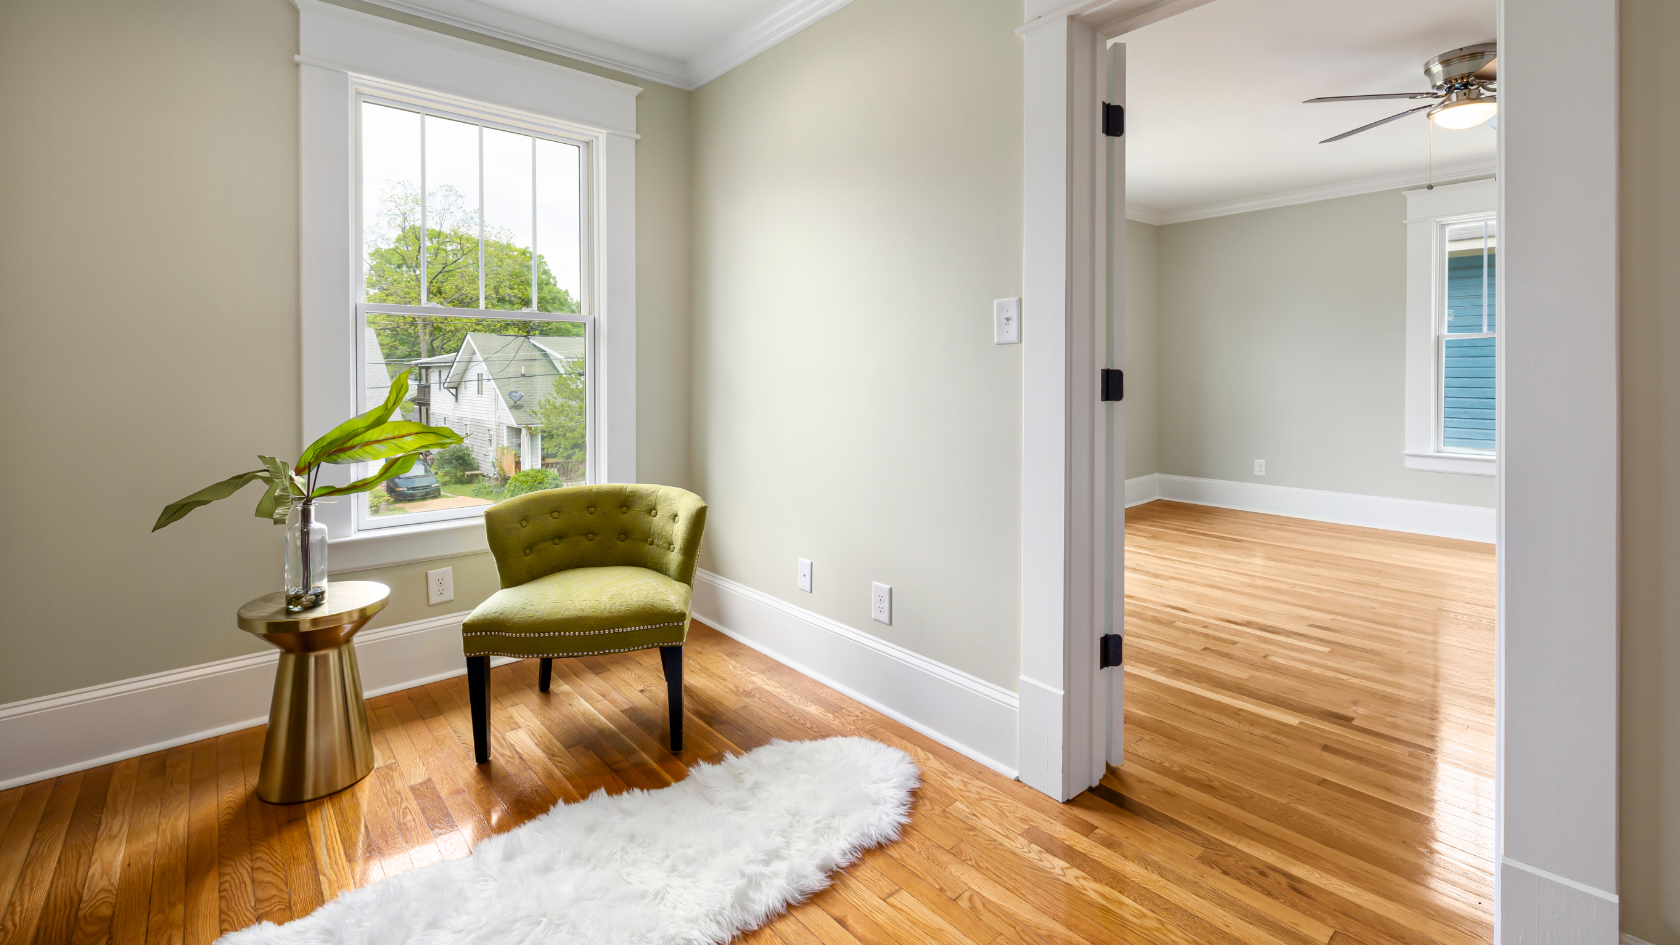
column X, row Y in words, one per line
column 1309, row 759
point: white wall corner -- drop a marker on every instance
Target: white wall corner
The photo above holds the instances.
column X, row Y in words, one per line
column 954, row 708
column 1143, row 489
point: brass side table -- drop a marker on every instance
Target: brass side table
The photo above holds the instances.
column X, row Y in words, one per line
column 318, row 738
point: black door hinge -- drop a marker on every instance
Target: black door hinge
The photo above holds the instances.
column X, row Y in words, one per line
column 1108, row 650
column 1114, row 119
column 1113, row 384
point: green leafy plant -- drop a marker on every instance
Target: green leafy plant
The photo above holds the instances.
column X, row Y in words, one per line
column 453, row 464
column 371, row 436
column 532, row 480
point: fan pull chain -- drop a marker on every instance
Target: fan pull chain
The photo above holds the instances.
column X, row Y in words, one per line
column 1431, row 153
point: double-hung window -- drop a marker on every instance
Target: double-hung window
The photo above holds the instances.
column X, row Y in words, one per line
column 473, row 258
column 1452, row 329
column 468, row 218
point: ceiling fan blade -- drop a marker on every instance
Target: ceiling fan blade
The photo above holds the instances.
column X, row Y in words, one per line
column 1361, row 98
column 1383, row 121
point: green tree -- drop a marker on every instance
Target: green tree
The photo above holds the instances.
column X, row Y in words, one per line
column 562, row 415
column 393, row 275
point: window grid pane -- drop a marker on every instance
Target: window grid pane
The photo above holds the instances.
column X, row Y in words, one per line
column 1468, row 346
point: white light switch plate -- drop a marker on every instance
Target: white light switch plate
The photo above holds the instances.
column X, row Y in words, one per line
column 440, row 586
column 1006, row 321
column 805, row 575
column 880, row 603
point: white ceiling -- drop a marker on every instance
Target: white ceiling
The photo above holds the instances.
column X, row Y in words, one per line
column 1214, row 115
column 685, row 43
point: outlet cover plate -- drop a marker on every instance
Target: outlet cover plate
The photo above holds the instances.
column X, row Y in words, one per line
column 440, row 586
column 805, row 575
column 1259, row 467
column 1006, row 321
column 880, row 603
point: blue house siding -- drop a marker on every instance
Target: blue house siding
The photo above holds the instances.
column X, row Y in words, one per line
column 1468, row 420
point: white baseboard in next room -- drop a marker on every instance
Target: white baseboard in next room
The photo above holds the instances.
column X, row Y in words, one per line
column 1469, row 522
column 968, row 714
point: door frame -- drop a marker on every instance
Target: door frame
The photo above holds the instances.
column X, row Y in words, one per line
column 1559, row 474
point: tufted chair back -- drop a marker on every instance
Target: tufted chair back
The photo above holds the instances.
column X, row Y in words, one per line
column 653, row 527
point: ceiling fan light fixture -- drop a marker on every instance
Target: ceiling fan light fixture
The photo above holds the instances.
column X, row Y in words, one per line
column 1464, row 110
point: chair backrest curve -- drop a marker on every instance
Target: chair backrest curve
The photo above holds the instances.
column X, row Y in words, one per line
column 653, row 527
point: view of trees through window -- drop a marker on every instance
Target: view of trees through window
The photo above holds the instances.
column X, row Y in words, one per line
column 480, row 220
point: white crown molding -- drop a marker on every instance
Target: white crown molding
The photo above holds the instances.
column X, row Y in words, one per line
column 963, row 712
column 1366, row 185
column 1144, row 215
column 527, row 31
column 775, row 25
column 757, row 35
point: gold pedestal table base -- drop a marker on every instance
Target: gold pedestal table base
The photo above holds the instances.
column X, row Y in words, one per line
column 318, row 740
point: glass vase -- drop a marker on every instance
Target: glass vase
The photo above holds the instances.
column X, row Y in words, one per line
column 306, row 560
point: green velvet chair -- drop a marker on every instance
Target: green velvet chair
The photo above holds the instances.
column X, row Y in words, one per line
column 586, row 570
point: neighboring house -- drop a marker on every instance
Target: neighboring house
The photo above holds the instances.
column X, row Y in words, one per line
column 378, row 370
column 490, row 389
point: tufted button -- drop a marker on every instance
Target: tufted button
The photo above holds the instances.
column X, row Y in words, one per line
column 653, row 512
column 557, row 541
column 621, row 538
column 624, row 508
column 527, row 552
column 592, row 510
column 523, row 523
column 673, row 516
column 554, row 514
column 590, row 536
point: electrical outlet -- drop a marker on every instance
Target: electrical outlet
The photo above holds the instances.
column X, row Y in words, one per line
column 1006, row 321
column 1259, row 467
column 805, row 575
column 880, row 603
column 440, row 586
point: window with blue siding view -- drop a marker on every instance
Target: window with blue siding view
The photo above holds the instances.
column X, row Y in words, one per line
column 1468, row 365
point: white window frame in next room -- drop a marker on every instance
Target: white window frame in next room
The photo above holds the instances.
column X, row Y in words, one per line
column 1428, row 215
column 347, row 57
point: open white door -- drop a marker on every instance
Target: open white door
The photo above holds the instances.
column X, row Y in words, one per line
column 1073, row 448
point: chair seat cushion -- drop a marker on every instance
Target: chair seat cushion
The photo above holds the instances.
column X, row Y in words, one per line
column 579, row 612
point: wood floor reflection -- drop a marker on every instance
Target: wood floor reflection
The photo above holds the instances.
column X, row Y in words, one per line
column 1309, row 760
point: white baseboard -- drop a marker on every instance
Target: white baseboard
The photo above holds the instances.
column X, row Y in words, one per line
column 1537, row 907
column 968, row 714
column 1633, row 940
column 1143, row 489
column 70, row 731
column 1469, row 522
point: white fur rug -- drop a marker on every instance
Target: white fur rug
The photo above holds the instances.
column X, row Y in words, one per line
column 717, row 854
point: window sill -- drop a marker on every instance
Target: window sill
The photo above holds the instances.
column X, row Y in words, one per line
column 1462, row 463
column 403, row 544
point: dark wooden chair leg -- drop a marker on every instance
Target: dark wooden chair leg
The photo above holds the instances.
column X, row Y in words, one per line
column 545, row 673
column 478, row 693
column 670, row 657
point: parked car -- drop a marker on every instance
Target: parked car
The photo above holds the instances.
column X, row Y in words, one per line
column 417, row 483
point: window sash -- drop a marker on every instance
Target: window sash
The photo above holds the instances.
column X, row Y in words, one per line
column 362, row 518
column 1442, row 335
column 533, row 129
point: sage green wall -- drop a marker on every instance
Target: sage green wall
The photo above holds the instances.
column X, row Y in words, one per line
column 857, row 196
column 1143, row 355
column 150, row 261
column 1650, row 540
column 1282, row 338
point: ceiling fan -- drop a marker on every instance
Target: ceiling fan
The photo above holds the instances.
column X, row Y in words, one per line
column 1463, row 80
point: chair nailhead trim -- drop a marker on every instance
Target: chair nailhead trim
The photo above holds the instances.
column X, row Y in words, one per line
column 562, row 633
column 567, row 656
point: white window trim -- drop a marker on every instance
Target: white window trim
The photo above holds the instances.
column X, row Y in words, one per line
column 343, row 50
column 1427, row 213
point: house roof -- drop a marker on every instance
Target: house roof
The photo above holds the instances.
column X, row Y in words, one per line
column 526, row 364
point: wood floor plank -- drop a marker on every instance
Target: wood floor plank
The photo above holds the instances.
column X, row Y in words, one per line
column 1309, row 762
